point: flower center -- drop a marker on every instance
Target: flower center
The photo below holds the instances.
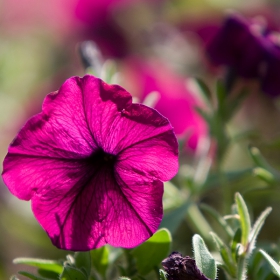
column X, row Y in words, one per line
column 101, row 158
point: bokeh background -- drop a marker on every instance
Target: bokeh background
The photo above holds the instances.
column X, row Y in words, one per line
column 158, row 46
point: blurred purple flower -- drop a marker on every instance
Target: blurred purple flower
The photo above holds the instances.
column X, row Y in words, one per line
column 99, row 25
column 182, row 268
column 250, row 49
column 177, row 99
column 92, row 163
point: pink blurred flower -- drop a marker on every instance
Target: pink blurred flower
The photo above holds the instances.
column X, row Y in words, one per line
column 92, row 163
column 177, row 98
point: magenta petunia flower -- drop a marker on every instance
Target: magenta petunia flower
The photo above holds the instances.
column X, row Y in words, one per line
column 92, row 163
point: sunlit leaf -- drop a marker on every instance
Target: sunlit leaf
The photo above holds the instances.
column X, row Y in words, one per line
column 256, row 228
column 275, row 266
column 41, row 263
column 204, row 260
column 100, row 259
column 244, row 219
column 150, row 254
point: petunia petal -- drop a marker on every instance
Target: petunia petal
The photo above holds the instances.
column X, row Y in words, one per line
column 153, row 158
column 25, row 175
column 100, row 208
column 116, row 123
column 61, row 130
column 138, row 212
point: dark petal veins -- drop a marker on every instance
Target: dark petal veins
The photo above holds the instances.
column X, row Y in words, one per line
column 99, row 209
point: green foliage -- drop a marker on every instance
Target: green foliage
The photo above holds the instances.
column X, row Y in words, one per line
column 83, row 262
column 100, row 260
column 72, row 273
column 244, row 217
column 272, row 262
column 50, row 265
column 204, row 260
column 150, row 254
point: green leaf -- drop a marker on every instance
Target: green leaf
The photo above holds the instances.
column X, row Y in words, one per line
column 235, row 244
column 244, row 219
column 83, row 261
column 204, row 89
column 275, row 266
column 72, row 273
column 150, row 254
column 100, row 259
column 32, row 276
column 265, row 175
column 162, row 275
column 204, row 260
column 48, row 273
column 258, row 159
column 256, row 229
column 224, row 252
column 241, row 268
column 41, row 263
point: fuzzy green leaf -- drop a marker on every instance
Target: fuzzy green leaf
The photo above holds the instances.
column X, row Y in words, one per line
column 244, row 219
column 256, row 228
column 41, row 263
column 72, row 273
column 242, row 268
column 204, row 260
column 235, row 244
column 224, row 252
column 275, row 266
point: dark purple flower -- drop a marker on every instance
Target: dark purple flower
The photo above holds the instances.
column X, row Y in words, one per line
column 250, row 49
column 182, row 268
column 92, row 163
